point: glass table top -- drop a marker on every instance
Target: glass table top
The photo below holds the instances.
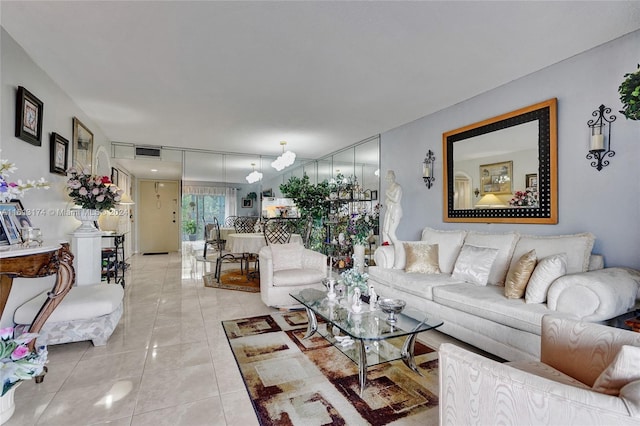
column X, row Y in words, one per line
column 365, row 325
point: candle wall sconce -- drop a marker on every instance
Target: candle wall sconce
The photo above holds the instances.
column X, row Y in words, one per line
column 427, row 169
column 600, row 142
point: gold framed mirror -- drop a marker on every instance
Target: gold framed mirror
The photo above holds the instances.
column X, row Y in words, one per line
column 503, row 169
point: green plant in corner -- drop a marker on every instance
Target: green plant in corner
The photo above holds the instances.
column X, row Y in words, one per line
column 252, row 196
column 189, row 227
column 630, row 95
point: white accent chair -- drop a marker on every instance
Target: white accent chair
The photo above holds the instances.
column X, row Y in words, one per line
column 557, row 390
column 287, row 268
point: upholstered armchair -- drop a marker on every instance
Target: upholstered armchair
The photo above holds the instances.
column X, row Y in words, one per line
column 588, row 374
column 287, row 268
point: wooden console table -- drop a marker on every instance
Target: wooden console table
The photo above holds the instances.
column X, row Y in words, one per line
column 49, row 259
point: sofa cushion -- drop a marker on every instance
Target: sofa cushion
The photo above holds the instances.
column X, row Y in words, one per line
column 421, row 257
column 295, row 277
column 519, row 274
column 420, row 285
column 449, row 245
column 577, row 247
column 286, row 256
column 546, row 272
column 489, row 302
column 505, row 243
column 474, row 264
column 624, row 369
column 543, row 370
column 630, row 394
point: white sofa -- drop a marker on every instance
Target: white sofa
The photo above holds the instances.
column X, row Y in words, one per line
column 582, row 378
column 482, row 315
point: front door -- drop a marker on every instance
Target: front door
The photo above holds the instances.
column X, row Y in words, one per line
column 158, row 216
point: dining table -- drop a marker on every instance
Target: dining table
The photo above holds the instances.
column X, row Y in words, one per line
column 251, row 242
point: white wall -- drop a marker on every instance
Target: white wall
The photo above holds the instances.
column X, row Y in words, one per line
column 606, row 203
column 48, row 207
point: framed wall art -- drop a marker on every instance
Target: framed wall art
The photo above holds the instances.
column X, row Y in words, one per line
column 29, row 117
column 531, row 180
column 496, row 178
column 247, row 203
column 59, row 150
column 82, row 146
column 115, row 177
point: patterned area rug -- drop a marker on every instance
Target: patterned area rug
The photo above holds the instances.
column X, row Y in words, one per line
column 310, row 382
column 233, row 280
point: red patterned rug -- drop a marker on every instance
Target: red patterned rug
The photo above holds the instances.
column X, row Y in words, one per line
column 292, row 381
column 233, row 279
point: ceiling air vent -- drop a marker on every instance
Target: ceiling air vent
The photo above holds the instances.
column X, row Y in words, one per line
column 147, row 152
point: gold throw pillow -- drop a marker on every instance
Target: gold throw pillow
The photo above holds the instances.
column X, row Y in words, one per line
column 421, row 257
column 518, row 276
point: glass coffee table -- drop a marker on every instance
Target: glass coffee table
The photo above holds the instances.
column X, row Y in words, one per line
column 370, row 332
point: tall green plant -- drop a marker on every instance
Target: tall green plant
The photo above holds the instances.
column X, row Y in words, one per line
column 630, row 95
column 309, row 198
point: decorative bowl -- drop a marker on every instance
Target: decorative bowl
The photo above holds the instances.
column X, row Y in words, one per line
column 391, row 307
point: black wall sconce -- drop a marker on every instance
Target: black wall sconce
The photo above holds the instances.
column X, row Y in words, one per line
column 427, row 169
column 600, row 146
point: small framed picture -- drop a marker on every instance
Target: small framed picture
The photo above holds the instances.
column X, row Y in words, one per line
column 115, row 177
column 82, row 146
column 374, row 195
column 267, row 193
column 531, row 180
column 9, row 223
column 58, row 154
column 29, row 117
column 247, row 203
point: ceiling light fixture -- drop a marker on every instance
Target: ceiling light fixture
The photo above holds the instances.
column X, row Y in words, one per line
column 254, row 176
column 285, row 160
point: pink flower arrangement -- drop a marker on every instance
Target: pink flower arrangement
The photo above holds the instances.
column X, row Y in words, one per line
column 526, row 198
column 92, row 192
column 17, row 361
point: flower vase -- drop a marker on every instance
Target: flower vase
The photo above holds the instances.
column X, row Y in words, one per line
column 358, row 257
column 88, row 217
column 7, row 404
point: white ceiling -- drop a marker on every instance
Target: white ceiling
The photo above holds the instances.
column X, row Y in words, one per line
column 241, row 76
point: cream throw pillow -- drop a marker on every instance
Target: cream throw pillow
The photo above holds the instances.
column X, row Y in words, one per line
column 546, row 272
column 474, row 264
column 286, row 256
column 449, row 244
column 519, row 274
column 623, row 369
column 421, row 257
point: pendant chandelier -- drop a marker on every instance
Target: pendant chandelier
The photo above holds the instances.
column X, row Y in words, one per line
column 254, row 176
column 285, row 160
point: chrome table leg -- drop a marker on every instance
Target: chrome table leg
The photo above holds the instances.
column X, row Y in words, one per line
column 407, row 353
column 312, row 326
column 362, row 374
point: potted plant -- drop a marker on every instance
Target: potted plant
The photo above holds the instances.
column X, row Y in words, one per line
column 630, row 95
column 190, row 228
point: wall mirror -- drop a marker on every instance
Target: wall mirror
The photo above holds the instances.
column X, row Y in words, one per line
column 503, row 169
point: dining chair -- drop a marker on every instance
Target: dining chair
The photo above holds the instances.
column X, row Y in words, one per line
column 277, row 231
column 210, row 239
column 244, row 224
column 225, row 256
column 230, row 221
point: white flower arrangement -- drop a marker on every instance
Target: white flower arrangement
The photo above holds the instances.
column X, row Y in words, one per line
column 11, row 190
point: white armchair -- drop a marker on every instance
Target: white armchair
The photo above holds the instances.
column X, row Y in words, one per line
column 555, row 391
column 285, row 268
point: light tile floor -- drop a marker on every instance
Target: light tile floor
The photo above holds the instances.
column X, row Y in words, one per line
column 167, row 363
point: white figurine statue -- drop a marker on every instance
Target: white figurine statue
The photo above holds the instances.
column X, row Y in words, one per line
column 373, row 298
column 357, row 303
column 393, row 213
column 392, row 216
